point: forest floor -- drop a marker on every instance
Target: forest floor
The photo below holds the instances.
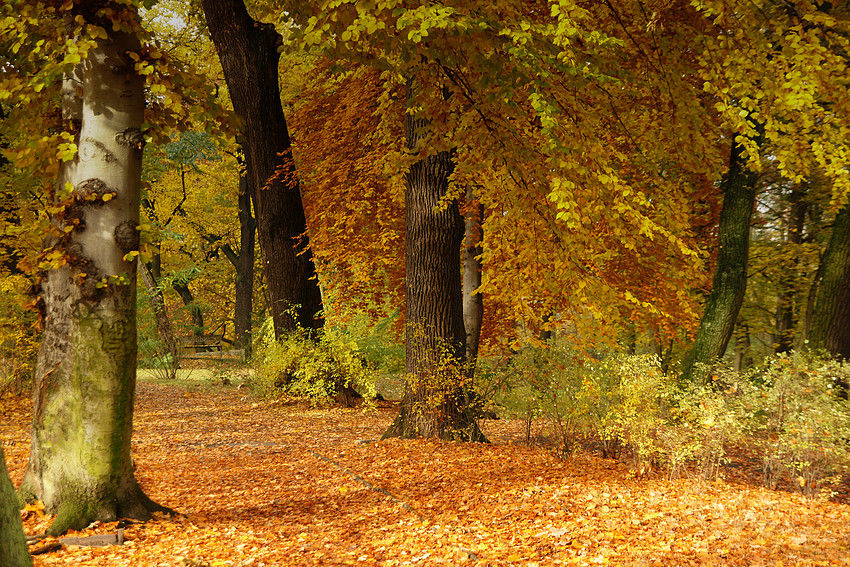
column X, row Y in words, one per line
column 259, row 483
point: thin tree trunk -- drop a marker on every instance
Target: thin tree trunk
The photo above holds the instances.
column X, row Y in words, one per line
column 830, row 317
column 244, row 271
column 786, row 312
column 85, row 377
column 163, row 323
column 249, row 57
column 730, row 274
column 473, row 303
column 195, row 311
column 436, row 401
column 13, row 545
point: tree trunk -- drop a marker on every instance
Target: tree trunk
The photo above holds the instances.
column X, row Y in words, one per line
column 786, row 313
column 163, row 323
column 13, row 545
column 830, row 317
column 85, row 376
column 195, row 311
column 730, row 274
column 436, row 401
column 473, row 303
column 249, row 57
column 244, row 271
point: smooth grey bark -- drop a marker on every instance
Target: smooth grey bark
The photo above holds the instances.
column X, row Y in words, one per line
column 473, row 303
column 730, row 274
column 830, row 317
column 248, row 50
column 85, row 377
column 437, row 398
column 13, row 545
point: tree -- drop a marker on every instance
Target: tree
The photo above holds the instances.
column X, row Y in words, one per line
column 248, row 51
column 84, row 389
column 13, row 546
column 473, row 302
column 830, row 318
column 435, row 401
column 730, row 273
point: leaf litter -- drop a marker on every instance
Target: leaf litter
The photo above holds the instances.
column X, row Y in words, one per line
column 260, row 483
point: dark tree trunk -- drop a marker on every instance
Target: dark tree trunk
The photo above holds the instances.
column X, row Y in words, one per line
column 13, row 546
column 249, row 57
column 830, row 317
column 436, row 401
column 743, row 348
column 244, row 271
column 473, row 303
column 85, row 377
column 195, row 311
column 786, row 311
column 730, row 274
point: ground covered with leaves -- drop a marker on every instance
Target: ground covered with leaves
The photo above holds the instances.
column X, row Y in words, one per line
column 267, row 483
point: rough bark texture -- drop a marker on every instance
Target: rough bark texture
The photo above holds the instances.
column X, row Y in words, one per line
column 85, row 376
column 730, row 274
column 830, row 318
column 249, row 58
column 473, row 303
column 13, row 546
column 436, row 401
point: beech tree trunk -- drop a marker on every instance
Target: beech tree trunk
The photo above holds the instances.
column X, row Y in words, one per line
column 730, row 274
column 473, row 303
column 249, row 57
column 830, row 318
column 436, row 401
column 13, row 545
column 85, row 377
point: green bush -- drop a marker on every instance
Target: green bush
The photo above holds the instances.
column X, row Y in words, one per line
column 320, row 369
column 799, row 418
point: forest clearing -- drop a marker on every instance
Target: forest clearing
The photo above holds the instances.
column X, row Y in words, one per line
column 259, row 482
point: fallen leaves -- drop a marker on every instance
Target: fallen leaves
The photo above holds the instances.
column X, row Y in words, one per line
column 262, row 484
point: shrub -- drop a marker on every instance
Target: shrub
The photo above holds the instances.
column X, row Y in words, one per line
column 321, row 369
column 799, row 418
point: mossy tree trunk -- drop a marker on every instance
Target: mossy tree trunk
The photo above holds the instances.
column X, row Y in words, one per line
column 249, row 55
column 830, row 317
column 436, row 400
column 730, row 274
column 13, row 546
column 85, row 377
